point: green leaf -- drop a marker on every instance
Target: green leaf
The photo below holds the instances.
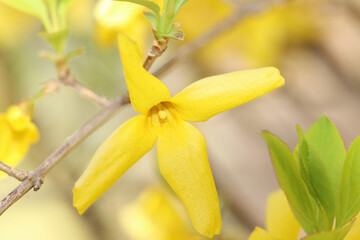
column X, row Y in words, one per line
column 171, row 10
column 178, row 5
column 57, row 40
column 348, row 204
column 148, row 4
column 325, row 138
column 337, row 234
column 63, row 8
column 175, row 33
column 302, row 153
column 36, row 8
column 168, row 17
column 74, row 53
column 290, row 181
column 151, row 16
column 317, row 179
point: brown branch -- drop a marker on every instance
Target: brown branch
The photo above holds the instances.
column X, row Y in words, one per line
column 13, row 172
column 66, row 78
column 34, row 178
column 158, row 48
column 241, row 12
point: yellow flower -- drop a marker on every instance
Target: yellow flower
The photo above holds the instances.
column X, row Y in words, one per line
column 181, row 147
column 256, row 40
column 154, row 216
column 261, row 39
column 281, row 223
column 17, row 133
column 112, row 18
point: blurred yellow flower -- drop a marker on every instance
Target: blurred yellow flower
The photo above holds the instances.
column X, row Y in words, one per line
column 14, row 26
column 112, row 18
column 80, row 15
column 17, row 133
column 257, row 40
column 181, row 147
column 281, row 223
column 261, row 39
column 154, row 216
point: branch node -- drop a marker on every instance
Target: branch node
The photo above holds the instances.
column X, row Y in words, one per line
column 38, row 183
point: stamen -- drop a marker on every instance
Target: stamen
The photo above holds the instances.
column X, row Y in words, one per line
column 162, row 115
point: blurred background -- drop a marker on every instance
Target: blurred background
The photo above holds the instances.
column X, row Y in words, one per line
column 314, row 43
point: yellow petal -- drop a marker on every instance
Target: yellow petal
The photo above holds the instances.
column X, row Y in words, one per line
column 210, row 96
column 119, row 17
column 145, row 90
column 280, row 221
column 17, row 118
column 115, row 156
column 184, row 164
column 32, row 133
column 261, row 234
column 15, row 144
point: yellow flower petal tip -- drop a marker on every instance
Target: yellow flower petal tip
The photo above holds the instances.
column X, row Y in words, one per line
column 212, row 95
column 78, row 201
column 145, row 90
column 114, row 157
column 261, row 234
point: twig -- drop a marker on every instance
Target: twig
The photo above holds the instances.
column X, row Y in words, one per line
column 34, row 178
column 158, row 48
column 68, row 79
column 223, row 26
column 13, row 172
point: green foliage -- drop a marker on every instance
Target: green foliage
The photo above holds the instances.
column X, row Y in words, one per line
column 337, row 234
column 56, row 39
column 348, row 204
column 321, row 181
column 317, row 178
column 51, row 13
column 290, row 180
column 35, row 8
column 164, row 25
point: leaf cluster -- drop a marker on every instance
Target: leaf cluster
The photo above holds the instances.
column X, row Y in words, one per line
column 164, row 24
column 320, row 179
column 51, row 13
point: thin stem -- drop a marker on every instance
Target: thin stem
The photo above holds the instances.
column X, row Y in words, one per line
column 66, row 78
column 158, row 48
column 13, row 172
column 34, row 178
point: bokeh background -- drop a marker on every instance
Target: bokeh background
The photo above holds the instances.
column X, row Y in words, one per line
column 314, row 43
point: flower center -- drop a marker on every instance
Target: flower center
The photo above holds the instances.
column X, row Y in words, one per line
column 161, row 114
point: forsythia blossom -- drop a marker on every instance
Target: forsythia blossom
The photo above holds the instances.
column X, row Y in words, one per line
column 154, row 216
column 282, row 225
column 181, row 147
column 113, row 17
column 17, row 133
